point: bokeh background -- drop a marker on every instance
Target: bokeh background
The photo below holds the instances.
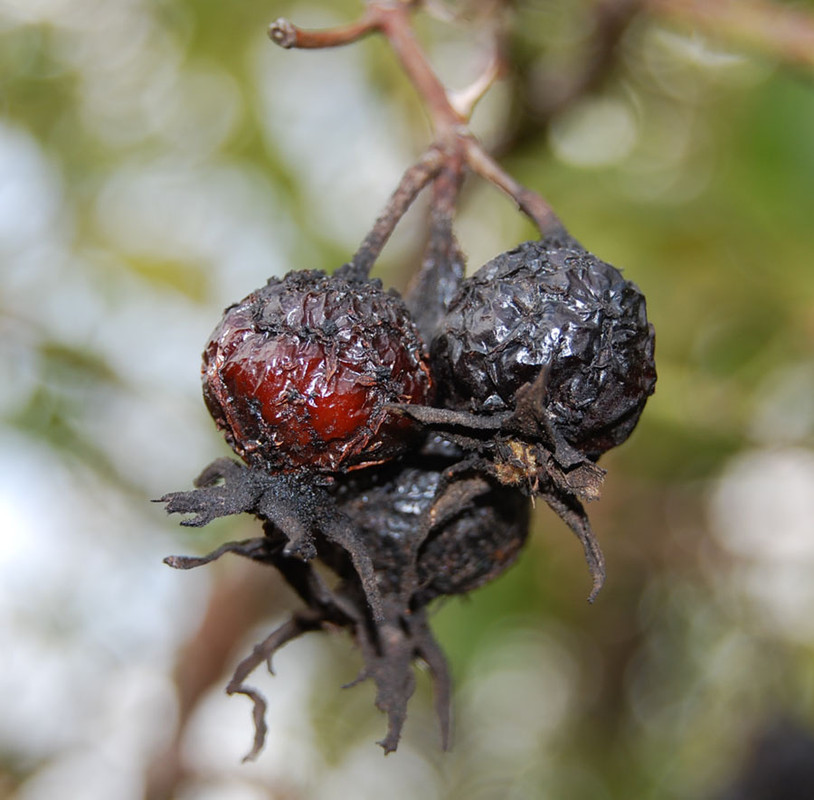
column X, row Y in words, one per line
column 159, row 159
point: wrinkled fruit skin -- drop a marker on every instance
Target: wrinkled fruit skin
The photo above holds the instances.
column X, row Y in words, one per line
column 298, row 374
column 476, row 544
column 550, row 305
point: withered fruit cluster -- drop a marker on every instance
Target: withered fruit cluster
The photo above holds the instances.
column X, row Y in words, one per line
column 405, row 460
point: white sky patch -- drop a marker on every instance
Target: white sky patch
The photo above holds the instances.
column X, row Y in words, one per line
column 340, row 138
column 222, row 216
column 84, row 602
column 30, row 192
column 763, row 506
column 761, row 511
column 784, row 411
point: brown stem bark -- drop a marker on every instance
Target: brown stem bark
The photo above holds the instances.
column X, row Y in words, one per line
column 455, row 147
column 412, row 182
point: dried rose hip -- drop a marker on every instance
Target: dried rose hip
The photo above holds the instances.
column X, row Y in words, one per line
column 470, row 541
column 550, row 306
column 298, row 374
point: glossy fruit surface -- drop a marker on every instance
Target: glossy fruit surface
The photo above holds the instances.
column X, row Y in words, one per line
column 550, row 305
column 298, row 374
column 465, row 549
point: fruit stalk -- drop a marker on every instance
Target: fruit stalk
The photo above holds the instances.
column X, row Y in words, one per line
column 454, row 146
column 412, row 182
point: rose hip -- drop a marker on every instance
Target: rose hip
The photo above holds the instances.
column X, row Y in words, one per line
column 299, row 374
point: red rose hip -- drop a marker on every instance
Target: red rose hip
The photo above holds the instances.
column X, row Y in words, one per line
column 299, row 373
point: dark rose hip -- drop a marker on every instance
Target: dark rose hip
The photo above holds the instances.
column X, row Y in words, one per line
column 298, row 374
column 550, row 305
column 462, row 551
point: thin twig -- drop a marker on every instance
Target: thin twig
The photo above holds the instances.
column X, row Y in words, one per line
column 394, row 22
column 442, row 265
column 410, row 186
column 289, row 36
column 392, row 19
column 455, row 145
column 529, row 202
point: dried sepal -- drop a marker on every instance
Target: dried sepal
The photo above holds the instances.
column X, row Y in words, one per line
column 299, row 509
column 405, row 535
